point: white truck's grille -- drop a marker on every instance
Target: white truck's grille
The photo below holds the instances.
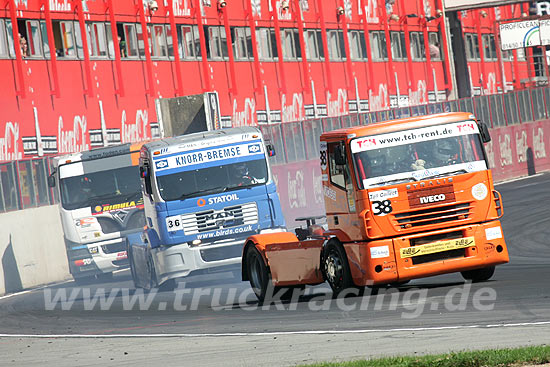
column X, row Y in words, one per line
column 210, row 220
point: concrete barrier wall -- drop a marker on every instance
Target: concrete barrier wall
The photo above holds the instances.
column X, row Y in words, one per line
column 32, row 249
column 31, row 240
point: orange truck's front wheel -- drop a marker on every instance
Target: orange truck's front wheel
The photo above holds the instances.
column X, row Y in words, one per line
column 337, row 272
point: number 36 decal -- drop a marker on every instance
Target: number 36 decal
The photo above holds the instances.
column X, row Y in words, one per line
column 381, row 207
column 174, row 223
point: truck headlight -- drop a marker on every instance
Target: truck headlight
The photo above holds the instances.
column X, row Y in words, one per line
column 194, row 243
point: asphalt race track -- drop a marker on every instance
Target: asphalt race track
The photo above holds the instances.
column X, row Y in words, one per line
column 215, row 319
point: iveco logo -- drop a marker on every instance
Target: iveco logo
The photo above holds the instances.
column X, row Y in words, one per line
column 432, row 198
column 253, row 148
column 161, row 164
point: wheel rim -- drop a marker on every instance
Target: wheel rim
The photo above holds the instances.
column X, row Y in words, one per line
column 334, row 270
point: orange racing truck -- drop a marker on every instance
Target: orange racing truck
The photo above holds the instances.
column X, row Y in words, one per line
column 404, row 199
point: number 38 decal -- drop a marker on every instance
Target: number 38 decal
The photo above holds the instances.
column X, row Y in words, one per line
column 381, row 207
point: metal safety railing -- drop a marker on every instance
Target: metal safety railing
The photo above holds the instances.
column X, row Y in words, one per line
column 24, row 184
column 298, row 141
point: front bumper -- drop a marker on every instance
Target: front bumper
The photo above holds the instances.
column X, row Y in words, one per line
column 180, row 260
column 383, row 261
column 107, row 257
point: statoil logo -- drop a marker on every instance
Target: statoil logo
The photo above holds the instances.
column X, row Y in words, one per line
column 223, row 199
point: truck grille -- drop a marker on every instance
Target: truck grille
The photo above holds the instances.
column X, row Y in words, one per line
column 108, row 225
column 121, row 221
column 114, row 247
column 438, row 256
column 210, row 220
column 433, row 215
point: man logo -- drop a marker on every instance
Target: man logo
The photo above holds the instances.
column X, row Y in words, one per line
column 161, row 164
column 254, row 148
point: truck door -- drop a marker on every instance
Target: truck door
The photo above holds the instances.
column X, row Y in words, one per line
column 339, row 192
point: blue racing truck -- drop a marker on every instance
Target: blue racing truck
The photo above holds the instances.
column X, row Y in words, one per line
column 204, row 194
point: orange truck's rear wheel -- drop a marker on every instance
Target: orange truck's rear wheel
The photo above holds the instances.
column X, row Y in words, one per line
column 257, row 272
column 260, row 280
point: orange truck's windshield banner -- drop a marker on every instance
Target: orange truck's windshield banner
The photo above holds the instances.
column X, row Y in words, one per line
column 418, row 154
column 413, row 136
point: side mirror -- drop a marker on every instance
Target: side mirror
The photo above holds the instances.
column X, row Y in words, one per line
column 339, row 155
column 484, row 131
column 270, row 150
column 51, row 180
column 143, row 171
column 144, row 174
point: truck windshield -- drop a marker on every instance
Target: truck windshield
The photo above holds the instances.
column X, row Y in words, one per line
column 403, row 157
column 103, row 187
column 204, row 181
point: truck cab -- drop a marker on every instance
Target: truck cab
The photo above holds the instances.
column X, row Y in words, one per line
column 100, row 204
column 204, row 194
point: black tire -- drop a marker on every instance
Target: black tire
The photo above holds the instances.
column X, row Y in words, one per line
column 337, row 272
column 258, row 274
column 479, row 275
column 260, row 280
column 135, row 278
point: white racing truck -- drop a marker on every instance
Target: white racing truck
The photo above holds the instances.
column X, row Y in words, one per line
column 100, row 204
